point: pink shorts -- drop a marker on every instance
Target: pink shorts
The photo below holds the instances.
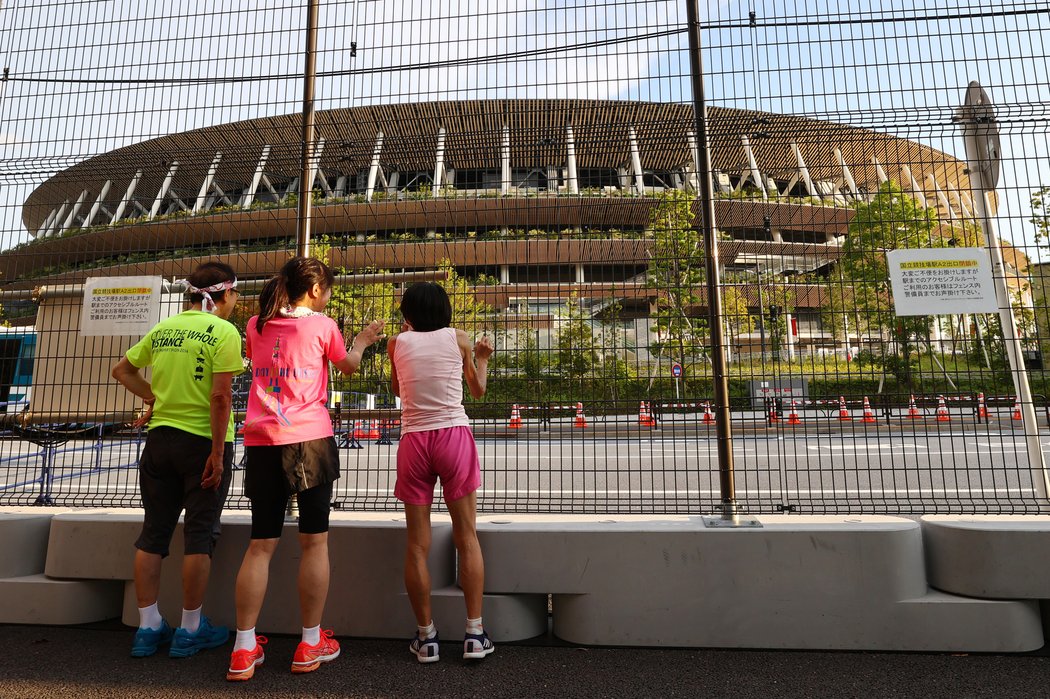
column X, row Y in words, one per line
column 422, row 457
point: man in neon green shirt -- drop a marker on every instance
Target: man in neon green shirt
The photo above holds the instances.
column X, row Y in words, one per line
column 188, row 457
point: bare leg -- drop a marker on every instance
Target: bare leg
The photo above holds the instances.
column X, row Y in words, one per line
column 314, row 572
column 196, row 567
column 417, row 575
column 252, row 580
column 471, row 563
column 147, row 577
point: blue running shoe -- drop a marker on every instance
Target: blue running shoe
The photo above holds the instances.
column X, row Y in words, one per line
column 185, row 644
column 148, row 640
column 477, row 646
column 425, row 651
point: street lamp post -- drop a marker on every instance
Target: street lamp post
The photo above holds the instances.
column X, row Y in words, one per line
column 981, row 135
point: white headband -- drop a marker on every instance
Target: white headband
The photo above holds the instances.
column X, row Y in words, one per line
column 208, row 304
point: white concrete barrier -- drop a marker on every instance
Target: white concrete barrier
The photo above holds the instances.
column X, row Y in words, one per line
column 27, row 596
column 796, row 582
column 366, row 597
column 993, row 556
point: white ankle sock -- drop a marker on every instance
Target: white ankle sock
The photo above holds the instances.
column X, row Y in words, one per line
column 474, row 626
column 150, row 618
column 312, row 636
column 426, row 632
column 245, row 640
column 191, row 619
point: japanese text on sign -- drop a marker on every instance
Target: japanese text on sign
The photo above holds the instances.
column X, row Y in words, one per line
column 941, row 281
column 120, row 305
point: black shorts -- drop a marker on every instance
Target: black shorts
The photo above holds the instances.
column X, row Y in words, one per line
column 267, row 486
column 170, row 471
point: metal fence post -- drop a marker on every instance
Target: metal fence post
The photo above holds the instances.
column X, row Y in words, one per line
column 723, row 426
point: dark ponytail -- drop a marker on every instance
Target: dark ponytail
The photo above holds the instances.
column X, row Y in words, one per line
column 296, row 278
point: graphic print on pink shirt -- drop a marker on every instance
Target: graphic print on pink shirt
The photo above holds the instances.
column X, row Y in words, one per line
column 289, row 392
column 272, row 398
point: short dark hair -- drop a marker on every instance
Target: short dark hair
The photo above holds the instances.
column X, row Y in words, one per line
column 426, row 307
column 209, row 274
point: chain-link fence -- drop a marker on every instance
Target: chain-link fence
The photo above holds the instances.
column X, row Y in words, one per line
column 884, row 310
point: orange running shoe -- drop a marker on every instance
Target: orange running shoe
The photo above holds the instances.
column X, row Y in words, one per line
column 243, row 662
column 308, row 658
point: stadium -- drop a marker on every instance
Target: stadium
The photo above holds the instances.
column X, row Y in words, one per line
column 532, row 201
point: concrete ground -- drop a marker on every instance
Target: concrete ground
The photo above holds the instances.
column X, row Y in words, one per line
column 93, row 661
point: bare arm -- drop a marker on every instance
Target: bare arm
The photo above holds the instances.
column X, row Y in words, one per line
column 221, row 404
column 394, row 385
column 372, row 333
column 128, row 375
column 475, row 365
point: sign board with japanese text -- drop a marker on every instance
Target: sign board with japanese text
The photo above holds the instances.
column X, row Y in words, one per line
column 71, row 373
column 116, row 306
column 941, row 281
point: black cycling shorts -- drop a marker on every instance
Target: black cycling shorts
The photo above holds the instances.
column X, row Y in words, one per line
column 267, row 486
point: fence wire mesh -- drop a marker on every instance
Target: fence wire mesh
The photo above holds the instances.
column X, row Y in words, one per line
column 541, row 160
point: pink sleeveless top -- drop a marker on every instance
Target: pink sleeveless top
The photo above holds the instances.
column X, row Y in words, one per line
column 430, row 375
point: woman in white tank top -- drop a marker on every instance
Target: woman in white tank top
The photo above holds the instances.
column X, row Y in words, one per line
column 429, row 362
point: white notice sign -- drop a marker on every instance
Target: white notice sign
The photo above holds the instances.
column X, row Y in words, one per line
column 941, row 281
column 120, row 306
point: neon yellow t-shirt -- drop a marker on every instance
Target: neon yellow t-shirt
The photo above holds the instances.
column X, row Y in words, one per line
column 184, row 351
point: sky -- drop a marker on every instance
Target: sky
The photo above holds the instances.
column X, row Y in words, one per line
column 90, row 76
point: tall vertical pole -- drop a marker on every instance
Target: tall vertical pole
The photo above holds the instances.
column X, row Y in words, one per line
column 306, row 174
column 723, row 426
column 983, row 159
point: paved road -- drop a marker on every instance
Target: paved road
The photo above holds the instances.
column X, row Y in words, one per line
column 616, row 467
column 93, row 662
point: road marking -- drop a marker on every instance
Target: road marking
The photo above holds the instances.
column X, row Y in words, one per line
column 865, row 447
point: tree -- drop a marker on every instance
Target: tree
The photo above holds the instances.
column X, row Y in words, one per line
column 677, row 272
column 739, row 320
column 891, row 220
column 780, row 300
column 469, row 314
column 992, row 341
column 353, row 306
column 1041, row 215
column 1040, row 281
column 578, row 351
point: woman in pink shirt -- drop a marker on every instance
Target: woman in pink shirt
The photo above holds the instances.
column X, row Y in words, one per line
column 429, row 361
column 291, row 449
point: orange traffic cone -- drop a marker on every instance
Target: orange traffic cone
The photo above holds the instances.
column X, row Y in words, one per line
column 869, row 416
column 581, row 421
column 515, row 418
column 913, row 411
column 359, row 429
column 942, row 410
column 645, row 419
column 1017, row 410
column 709, row 417
column 982, row 409
column 793, row 418
column 773, row 416
column 843, row 410
column 373, row 430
